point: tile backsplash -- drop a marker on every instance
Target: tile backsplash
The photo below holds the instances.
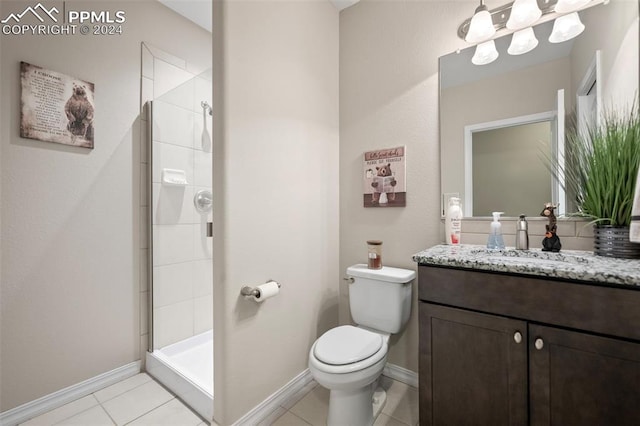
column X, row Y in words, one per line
column 575, row 234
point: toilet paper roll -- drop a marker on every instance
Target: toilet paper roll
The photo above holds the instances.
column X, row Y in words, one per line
column 266, row 291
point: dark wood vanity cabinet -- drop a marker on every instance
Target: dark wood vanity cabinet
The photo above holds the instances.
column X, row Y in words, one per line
column 499, row 349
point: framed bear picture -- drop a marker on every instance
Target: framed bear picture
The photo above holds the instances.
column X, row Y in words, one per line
column 384, row 178
column 56, row 107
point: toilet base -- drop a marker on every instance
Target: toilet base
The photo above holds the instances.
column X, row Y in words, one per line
column 359, row 407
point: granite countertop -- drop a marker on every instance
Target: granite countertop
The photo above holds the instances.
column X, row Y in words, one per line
column 567, row 264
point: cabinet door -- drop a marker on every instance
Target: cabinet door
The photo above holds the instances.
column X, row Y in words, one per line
column 473, row 368
column 581, row 379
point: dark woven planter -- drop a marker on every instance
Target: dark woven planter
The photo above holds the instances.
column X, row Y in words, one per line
column 613, row 241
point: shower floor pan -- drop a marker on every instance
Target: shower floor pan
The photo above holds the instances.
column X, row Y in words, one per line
column 186, row 368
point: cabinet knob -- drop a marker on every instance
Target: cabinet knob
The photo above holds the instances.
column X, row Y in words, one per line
column 539, row 343
column 517, row 336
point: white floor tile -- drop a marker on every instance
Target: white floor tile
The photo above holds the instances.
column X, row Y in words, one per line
column 64, row 412
column 136, row 402
column 314, row 407
column 402, row 402
column 385, row 420
column 290, row 419
column 172, row 413
column 122, row 387
column 95, row 416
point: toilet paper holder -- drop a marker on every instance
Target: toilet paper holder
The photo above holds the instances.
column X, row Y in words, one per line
column 253, row 291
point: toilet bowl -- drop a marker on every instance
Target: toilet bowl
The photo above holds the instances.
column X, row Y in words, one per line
column 348, row 360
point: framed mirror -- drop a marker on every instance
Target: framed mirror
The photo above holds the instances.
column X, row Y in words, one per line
column 498, row 121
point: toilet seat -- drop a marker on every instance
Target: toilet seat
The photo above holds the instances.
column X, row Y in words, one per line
column 346, row 344
column 347, row 349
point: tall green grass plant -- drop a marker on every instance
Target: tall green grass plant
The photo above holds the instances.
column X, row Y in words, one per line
column 601, row 167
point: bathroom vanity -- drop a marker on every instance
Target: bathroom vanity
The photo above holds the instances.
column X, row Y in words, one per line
column 528, row 337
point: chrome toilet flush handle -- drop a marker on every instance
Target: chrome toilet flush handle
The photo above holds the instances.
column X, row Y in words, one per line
column 350, row 280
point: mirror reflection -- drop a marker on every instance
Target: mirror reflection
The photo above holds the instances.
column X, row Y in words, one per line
column 489, row 155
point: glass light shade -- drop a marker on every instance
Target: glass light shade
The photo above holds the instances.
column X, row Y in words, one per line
column 566, row 6
column 566, row 27
column 485, row 53
column 523, row 41
column 481, row 27
column 523, row 14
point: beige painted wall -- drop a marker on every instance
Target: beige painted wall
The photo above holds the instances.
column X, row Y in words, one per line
column 70, row 216
column 388, row 97
column 276, row 192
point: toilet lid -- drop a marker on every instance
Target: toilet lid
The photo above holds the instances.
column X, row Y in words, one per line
column 346, row 344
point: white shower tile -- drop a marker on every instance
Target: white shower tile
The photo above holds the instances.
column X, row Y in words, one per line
column 202, row 278
column 173, row 205
column 203, row 245
column 172, row 124
column 180, row 95
column 203, row 168
column 173, row 283
column 137, row 402
column 172, row 244
column 167, row 156
column 167, row 78
column 173, row 323
column 202, row 314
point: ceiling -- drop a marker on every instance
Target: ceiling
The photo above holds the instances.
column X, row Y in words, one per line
column 201, row 11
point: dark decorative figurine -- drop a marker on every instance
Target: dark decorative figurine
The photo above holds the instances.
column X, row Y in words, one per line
column 551, row 241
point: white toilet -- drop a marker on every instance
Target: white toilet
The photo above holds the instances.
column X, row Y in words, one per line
column 348, row 360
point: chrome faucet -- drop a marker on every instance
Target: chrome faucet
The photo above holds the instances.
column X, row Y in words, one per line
column 522, row 233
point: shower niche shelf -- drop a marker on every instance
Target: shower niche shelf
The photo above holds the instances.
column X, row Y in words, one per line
column 174, row 177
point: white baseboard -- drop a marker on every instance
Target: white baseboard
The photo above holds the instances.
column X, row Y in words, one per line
column 64, row 396
column 289, row 392
column 285, row 394
column 401, row 374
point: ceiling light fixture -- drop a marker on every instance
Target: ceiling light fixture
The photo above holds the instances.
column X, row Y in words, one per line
column 522, row 41
column 519, row 17
column 566, row 6
column 485, row 53
column 481, row 26
column 566, row 27
column 523, row 14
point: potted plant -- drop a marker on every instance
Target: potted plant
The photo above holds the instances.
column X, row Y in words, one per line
column 600, row 172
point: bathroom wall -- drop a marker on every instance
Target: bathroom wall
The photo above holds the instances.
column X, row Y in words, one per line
column 70, row 294
column 388, row 97
column 276, row 172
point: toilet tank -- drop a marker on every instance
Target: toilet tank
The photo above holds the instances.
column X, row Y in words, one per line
column 380, row 298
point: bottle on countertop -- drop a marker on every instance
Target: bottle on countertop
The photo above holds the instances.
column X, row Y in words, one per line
column 522, row 233
column 453, row 222
column 495, row 237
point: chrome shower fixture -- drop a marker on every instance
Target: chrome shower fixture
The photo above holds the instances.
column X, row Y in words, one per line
column 206, row 107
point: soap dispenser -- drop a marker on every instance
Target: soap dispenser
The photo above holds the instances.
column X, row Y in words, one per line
column 522, row 233
column 496, row 241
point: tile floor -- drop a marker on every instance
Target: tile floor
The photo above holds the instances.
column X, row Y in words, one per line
column 140, row 400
